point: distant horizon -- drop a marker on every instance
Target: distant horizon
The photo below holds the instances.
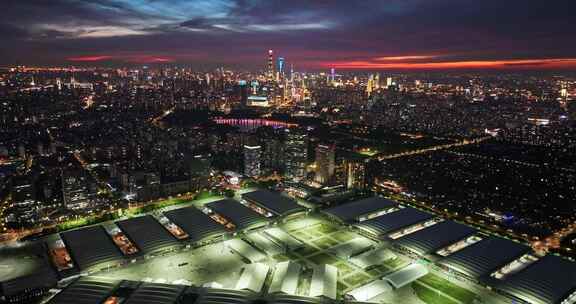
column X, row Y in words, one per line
column 314, row 35
column 251, row 69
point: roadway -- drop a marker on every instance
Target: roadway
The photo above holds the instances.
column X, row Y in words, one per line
column 465, row 142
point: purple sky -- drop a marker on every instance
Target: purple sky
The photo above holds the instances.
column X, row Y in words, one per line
column 367, row 34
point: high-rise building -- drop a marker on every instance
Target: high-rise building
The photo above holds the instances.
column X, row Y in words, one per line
column 564, row 96
column 325, row 163
column 377, row 81
column 273, row 158
column 25, row 208
column 296, row 151
column 200, row 167
column 332, row 74
column 280, row 67
column 373, row 170
column 355, row 173
column 252, row 159
column 370, row 85
column 254, row 85
column 270, row 70
column 243, row 87
column 75, row 190
column 389, row 82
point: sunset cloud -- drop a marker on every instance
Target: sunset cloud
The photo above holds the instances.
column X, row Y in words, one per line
column 123, row 58
column 377, row 64
column 368, row 34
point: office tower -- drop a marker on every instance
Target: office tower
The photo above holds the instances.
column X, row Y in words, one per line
column 389, row 82
column 273, row 158
column 254, row 85
column 370, row 85
column 252, row 157
column 200, row 167
column 306, row 100
column 377, row 81
column 25, row 208
column 296, row 151
column 373, row 170
column 355, row 173
column 332, row 74
column 270, row 64
column 325, row 163
column 75, row 190
column 243, row 86
column 281, row 66
column 564, row 96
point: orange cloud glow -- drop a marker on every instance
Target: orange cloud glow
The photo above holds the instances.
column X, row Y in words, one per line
column 403, row 58
column 149, row 59
column 561, row 63
column 89, row 58
column 123, row 58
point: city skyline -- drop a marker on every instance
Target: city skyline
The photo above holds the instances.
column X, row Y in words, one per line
column 275, row 152
column 314, row 35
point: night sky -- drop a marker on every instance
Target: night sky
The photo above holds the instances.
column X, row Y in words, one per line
column 315, row 34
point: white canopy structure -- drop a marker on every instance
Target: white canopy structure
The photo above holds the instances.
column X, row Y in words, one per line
column 370, row 291
column 352, row 247
column 265, row 244
column 245, row 250
column 286, row 239
column 324, row 280
column 406, row 275
column 253, row 277
column 285, row 278
column 372, row 257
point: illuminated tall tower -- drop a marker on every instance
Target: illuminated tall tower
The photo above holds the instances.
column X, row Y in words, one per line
column 281, row 66
column 254, row 85
column 270, row 64
column 355, row 173
column 389, row 82
column 332, row 74
column 370, row 85
column 75, row 190
column 325, row 163
column 252, row 159
column 564, row 95
column 296, row 154
column 377, row 81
